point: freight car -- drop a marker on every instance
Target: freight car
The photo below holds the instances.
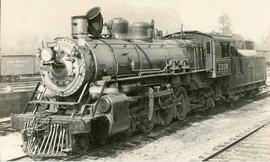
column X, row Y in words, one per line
column 129, row 79
column 266, row 54
column 15, row 66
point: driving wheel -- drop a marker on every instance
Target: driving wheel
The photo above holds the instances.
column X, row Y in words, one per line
column 182, row 101
column 148, row 125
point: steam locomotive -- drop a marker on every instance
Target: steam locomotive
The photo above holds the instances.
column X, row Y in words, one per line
column 129, row 79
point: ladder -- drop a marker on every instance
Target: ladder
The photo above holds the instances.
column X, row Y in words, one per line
column 34, row 95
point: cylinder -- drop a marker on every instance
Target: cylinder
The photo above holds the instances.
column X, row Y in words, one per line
column 79, row 26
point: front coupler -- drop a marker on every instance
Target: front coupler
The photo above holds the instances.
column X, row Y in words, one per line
column 49, row 136
column 59, row 135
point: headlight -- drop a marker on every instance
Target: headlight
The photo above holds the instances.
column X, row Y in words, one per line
column 104, row 105
column 46, row 54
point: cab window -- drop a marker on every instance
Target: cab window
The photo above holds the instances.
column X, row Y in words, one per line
column 225, row 49
column 208, row 48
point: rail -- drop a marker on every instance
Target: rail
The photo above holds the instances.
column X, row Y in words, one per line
column 233, row 143
column 126, row 142
column 18, row 158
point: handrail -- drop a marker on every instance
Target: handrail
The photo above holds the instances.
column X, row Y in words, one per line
column 33, row 94
column 62, row 103
column 99, row 97
column 39, row 99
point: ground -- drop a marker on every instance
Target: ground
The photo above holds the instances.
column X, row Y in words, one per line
column 10, row 146
column 200, row 137
column 200, row 133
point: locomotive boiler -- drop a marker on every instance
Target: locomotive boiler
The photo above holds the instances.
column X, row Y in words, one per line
column 129, row 79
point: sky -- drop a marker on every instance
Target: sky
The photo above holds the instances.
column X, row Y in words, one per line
column 25, row 23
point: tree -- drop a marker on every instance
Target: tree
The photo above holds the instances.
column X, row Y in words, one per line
column 225, row 24
column 264, row 44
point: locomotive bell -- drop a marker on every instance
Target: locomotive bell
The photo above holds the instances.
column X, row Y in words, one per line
column 95, row 21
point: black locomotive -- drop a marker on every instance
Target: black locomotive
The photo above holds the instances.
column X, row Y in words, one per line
column 130, row 79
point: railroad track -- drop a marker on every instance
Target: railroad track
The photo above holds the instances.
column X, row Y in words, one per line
column 23, row 157
column 254, row 144
column 5, row 127
column 17, row 83
column 137, row 140
column 18, row 86
column 5, row 122
column 128, row 143
column 117, row 144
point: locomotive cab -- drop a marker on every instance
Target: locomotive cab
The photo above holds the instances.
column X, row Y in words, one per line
column 223, row 54
column 216, row 49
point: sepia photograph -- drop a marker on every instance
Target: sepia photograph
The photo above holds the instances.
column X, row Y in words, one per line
column 134, row 80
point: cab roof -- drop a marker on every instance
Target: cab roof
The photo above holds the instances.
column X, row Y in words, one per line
column 218, row 37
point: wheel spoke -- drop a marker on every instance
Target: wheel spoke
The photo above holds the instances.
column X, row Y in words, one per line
column 182, row 108
column 166, row 116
